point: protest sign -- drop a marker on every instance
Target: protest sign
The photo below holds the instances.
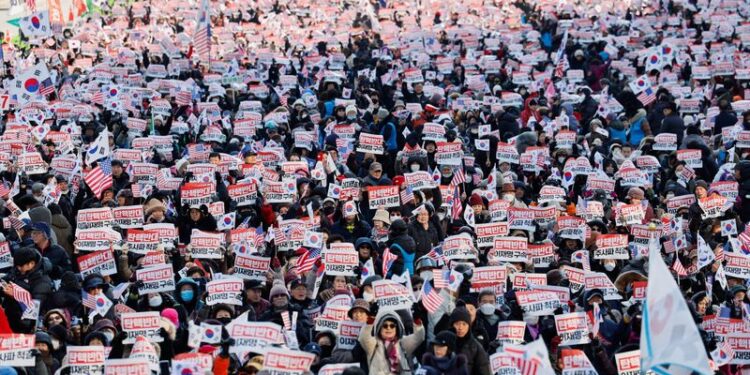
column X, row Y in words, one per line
column 85, row 359
column 383, row 196
column 128, row 216
column 254, row 337
column 206, row 245
column 598, row 280
column 509, row 249
column 537, row 303
column 142, row 241
column 251, row 267
column 146, row 324
column 340, row 262
column 572, row 328
column 287, row 362
column 612, row 246
column 227, row 290
column 156, row 279
column 101, row 262
column 391, row 295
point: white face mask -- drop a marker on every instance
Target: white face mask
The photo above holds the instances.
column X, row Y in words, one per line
column 531, row 320
column 509, row 197
column 154, row 301
column 110, row 336
column 426, row 275
column 55, row 344
column 487, row 309
column 369, row 297
column 414, row 167
column 441, row 216
column 609, row 266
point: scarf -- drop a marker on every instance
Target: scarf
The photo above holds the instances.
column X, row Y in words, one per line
column 391, row 352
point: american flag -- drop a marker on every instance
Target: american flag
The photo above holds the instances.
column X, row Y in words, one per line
column 22, row 296
column 100, row 178
column 458, row 178
column 307, row 260
column 647, row 96
column 184, row 98
column 280, row 236
column 456, row 205
column 202, row 36
column 407, row 195
column 47, row 87
column 436, row 253
column 88, row 300
column 679, row 268
column 431, row 298
column 441, row 279
column 98, row 98
column 260, row 237
column 4, row 190
column 719, row 252
column 388, row 259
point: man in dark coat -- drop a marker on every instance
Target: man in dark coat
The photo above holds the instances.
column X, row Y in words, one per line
column 41, row 235
column 30, row 274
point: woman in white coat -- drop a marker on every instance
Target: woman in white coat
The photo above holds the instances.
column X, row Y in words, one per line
column 388, row 350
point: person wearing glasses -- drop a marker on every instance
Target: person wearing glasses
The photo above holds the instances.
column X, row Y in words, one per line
column 388, row 350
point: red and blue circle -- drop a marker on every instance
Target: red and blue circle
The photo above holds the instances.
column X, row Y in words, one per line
column 36, row 22
column 31, row 85
column 209, row 333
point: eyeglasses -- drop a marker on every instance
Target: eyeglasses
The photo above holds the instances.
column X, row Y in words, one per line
column 389, row 326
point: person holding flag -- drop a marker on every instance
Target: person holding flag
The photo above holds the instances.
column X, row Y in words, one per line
column 27, row 281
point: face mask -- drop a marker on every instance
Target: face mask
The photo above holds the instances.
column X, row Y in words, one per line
column 329, row 210
column 154, row 301
column 509, row 197
column 414, row 167
column 446, row 175
column 369, row 297
column 325, row 351
column 487, row 309
column 561, row 160
column 531, row 320
column 187, row 295
column 109, row 335
column 351, row 117
column 225, row 320
column 426, row 275
column 55, row 344
column 441, row 216
column 609, row 266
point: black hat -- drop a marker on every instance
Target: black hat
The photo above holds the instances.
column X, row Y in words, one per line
column 445, row 338
column 92, row 281
column 117, row 163
column 253, row 284
column 460, row 314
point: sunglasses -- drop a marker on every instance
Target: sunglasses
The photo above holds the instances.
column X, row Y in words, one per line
column 389, row 326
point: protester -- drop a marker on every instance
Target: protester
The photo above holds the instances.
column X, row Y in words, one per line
column 551, row 187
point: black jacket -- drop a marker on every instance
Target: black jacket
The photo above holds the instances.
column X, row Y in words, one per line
column 35, row 282
column 673, row 124
column 478, row 362
column 425, row 239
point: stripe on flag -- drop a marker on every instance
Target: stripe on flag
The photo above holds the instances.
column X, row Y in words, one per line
column 431, row 298
column 306, row 262
column 21, row 295
column 100, row 178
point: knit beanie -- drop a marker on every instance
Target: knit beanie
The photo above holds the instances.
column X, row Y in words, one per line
column 278, row 288
column 460, row 314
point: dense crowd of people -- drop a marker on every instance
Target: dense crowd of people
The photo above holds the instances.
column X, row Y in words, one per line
column 390, row 187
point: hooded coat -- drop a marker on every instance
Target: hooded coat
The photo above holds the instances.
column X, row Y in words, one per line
column 375, row 349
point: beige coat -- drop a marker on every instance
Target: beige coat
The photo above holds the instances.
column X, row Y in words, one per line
column 375, row 347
